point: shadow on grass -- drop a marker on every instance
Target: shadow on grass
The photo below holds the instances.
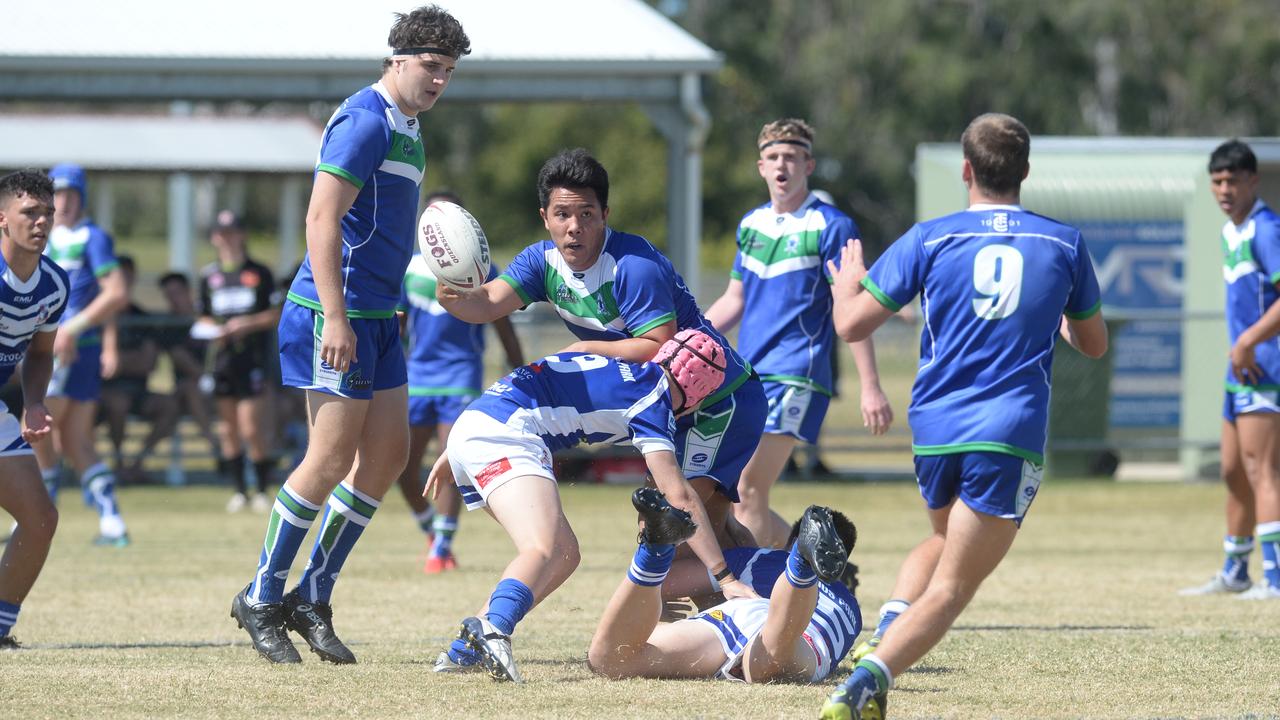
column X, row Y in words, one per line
column 1056, row 628
column 159, row 644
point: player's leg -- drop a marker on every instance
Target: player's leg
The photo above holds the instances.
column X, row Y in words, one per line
column 257, row 436
column 1238, row 542
column 1259, row 434
column 448, row 508
column 422, row 425
column 24, row 497
column 231, row 456
column 49, row 450
column 97, row 481
column 762, row 471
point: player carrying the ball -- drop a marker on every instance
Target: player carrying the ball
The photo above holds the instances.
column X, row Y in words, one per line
column 622, row 298
column 339, row 338
column 499, row 455
column 999, row 285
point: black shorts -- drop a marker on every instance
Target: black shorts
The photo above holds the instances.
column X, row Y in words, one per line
column 239, row 375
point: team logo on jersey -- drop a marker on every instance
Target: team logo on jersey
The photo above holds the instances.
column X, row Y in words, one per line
column 564, row 295
column 793, row 244
column 407, row 148
column 411, row 122
column 1000, row 222
column 717, row 615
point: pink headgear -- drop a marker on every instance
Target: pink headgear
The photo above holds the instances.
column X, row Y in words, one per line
column 697, row 363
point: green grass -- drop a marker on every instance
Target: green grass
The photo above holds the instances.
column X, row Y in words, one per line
column 1080, row 621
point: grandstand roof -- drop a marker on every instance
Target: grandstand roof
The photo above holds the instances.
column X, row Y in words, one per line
column 160, row 143
column 310, row 49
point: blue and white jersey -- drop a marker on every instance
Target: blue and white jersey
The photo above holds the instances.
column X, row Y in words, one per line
column 631, row 289
column 86, row 252
column 786, row 318
column 573, row 398
column 1251, row 268
column 446, row 355
column 838, row 616
column 27, row 307
column 372, row 145
column 994, row 281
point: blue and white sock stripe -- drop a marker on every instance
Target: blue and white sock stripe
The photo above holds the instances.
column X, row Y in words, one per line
column 1237, row 544
column 353, row 504
column 798, row 571
column 646, row 579
column 445, row 523
column 877, row 667
column 293, row 509
column 1268, row 532
column 8, row 615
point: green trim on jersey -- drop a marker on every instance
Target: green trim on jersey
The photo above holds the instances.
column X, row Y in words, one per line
column 957, row 448
column 661, row 320
column 360, row 314
column 879, row 294
column 1085, row 314
column 422, row 286
column 442, row 391
column 104, row 269
column 1239, row 388
column 339, row 172
column 769, row 250
column 1275, row 278
column 728, row 390
column 599, row 305
column 515, row 285
column 735, row 275
column 799, row 381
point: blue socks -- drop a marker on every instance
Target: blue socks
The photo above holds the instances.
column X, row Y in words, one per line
column 507, row 606
column 798, row 572
column 348, row 513
column 425, row 519
column 99, row 487
column 291, row 518
column 650, row 565
column 50, row 478
column 443, row 527
column 870, row 678
column 1269, row 539
column 1236, row 567
column 888, row 613
column 8, row 617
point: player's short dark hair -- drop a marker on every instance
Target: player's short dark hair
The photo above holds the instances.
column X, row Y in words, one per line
column 445, row 193
column 174, row 276
column 126, row 263
column 1233, row 156
column 997, row 147
column 428, row 26
column 574, row 169
column 31, row 183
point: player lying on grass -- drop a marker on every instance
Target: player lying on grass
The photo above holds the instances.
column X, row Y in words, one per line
column 499, row 455
column 798, row 630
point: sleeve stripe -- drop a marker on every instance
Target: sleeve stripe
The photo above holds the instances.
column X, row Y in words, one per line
column 1084, row 314
column 735, row 275
column 339, row 172
column 660, row 320
column 1275, row 278
column 880, row 295
column 515, row 285
column 104, row 269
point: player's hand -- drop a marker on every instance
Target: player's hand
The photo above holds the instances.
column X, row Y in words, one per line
column 441, row 472
column 735, row 588
column 110, row 363
column 847, row 278
column 877, row 413
column 64, row 348
column 235, row 327
column 338, row 343
column 1244, row 364
column 37, row 423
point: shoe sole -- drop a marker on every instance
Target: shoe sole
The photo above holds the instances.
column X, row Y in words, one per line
column 653, row 507
column 828, row 553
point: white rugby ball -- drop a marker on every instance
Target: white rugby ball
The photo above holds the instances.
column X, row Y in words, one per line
column 454, row 245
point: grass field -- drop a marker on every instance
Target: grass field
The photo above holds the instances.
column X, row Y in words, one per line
column 1080, row 621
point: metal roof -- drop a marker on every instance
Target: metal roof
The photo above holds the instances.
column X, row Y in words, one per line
column 291, row 49
column 160, row 143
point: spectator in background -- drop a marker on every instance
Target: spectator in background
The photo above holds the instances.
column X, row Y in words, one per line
column 187, row 355
column 236, row 296
column 131, row 338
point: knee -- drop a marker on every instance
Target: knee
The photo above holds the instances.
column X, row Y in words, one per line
column 608, row 661
column 41, row 524
column 751, row 499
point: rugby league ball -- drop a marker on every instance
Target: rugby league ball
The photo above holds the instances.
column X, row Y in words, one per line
column 454, row 245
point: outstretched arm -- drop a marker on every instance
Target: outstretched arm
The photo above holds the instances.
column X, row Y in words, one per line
column 495, row 299
column 856, row 314
column 637, row 349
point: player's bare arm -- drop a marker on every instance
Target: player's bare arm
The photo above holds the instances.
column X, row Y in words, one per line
column 1243, row 363
column 637, row 349
column 485, row 304
column 672, row 483
column 1089, row 335
column 331, row 198
column 37, row 368
column 877, row 413
column 856, row 314
column 726, row 312
column 113, row 295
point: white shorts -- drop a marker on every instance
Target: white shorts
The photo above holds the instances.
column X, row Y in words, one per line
column 11, row 441
column 737, row 622
column 485, row 454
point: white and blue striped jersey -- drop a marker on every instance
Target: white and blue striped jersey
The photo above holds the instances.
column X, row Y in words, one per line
column 1251, row 269
column 786, row 317
column 86, row 252
column 837, row 618
column 28, row 307
column 995, row 282
column 574, row 398
column 371, row 144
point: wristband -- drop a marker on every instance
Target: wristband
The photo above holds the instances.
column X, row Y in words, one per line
column 720, row 576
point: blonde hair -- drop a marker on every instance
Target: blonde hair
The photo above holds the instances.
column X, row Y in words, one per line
column 792, row 131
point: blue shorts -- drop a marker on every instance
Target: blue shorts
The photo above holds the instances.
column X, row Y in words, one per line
column 82, row 380
column 379, row 361
column 717, row 442
column 795, row 410
column 992, row 483
column 428, row 410
column 1249, row 401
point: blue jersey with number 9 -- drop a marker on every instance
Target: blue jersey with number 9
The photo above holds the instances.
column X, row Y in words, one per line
column 994, row 282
